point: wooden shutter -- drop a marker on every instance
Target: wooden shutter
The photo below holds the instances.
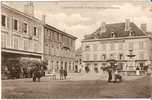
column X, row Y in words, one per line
column 8, row 22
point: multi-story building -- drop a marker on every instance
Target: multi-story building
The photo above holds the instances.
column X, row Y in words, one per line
column 59, row 49
column 21, row 34
column 118, row 41
column 78, row 61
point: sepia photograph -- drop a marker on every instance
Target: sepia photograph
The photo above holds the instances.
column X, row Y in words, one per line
column 86, row 49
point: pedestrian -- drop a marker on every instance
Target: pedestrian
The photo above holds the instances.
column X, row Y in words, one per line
column 37, row 73
column 34, row 74
column 137, row 71
column 61, row 73
column 65, row 74
column 13, row 72
column 117, row 76
column 109, row 75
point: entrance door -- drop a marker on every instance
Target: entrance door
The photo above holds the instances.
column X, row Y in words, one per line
column 141, row 66
column 76, row 68
column 65, row 66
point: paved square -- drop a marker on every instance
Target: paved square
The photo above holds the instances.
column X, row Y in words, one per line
column 47, row 89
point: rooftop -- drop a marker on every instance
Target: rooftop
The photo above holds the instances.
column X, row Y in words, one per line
column 57, row 30
column 118, row 29
column 21, row 13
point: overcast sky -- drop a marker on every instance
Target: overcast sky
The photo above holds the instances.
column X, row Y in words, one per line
column 81, row 18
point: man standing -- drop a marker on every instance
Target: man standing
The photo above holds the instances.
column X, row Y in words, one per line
column 109, row 75
column 61, row 73
column 65, row 74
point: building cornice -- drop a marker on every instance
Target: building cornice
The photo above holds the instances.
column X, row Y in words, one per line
column 117, row 38
column 21, row 52
column 59, row 31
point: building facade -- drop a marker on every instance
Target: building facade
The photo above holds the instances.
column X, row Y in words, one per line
column 21, row 34
column 59, row 49
column 78, row 61
column 117, row 41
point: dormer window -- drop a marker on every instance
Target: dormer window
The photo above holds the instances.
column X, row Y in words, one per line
column 112, row 34
column 131, row 33
column 87, row 48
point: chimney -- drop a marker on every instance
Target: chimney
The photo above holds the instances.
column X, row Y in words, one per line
column 43, row 18
column 143, row 27
column 127, row 25
column 103, row 27
column 29, row 8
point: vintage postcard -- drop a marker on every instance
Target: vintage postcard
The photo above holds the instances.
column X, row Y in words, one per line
column 76, row 49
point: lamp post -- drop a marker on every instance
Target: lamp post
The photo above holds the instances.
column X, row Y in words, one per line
column 131, row 55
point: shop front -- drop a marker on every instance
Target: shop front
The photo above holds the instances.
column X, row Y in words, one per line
column 14, row 63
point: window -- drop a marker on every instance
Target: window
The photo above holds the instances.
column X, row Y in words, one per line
column 87, row 48
column 141, row 44
column 15, row 24
column 25, row 28
column 120, row 56
column 3, row 20
column 120, row 46
column 95, row 57
column 103, row 47
column 130, row 45
column 4, row 40
column 103, row 57
column 141, row 56
column 87, row 57
column 26, row 43
column 132, row 33
column 112, row 34
column 16, row 43
column 111, row 56
column 35, row 46
column 35, row 31
column 58, row 37
column 95, row 47
column 112, row 46
column 52, row 33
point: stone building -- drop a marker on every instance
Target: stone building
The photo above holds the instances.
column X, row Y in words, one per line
column 21, row 34
column 59, row 49
column 78, row 60
column 117, row 41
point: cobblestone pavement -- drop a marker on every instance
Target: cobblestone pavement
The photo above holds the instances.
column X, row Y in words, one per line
column 76, row 87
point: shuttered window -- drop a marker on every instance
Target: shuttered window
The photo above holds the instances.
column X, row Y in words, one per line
column 25, row 27
column 15, row 24
column 3, row 20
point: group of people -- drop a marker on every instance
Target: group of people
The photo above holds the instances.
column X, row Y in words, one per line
column 114, row 76
column 63, row 73
column 37, row 73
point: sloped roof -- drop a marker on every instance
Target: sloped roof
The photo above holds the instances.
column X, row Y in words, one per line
column 118, row 29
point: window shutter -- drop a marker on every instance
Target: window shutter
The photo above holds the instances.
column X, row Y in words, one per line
column 12, row 23
column 29, row 31
column 8, row 22
column 20, row 26
column 39, row 32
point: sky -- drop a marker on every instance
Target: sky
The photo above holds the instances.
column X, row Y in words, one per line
column 81, row 18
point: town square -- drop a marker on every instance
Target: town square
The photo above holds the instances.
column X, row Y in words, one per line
column 76, row 50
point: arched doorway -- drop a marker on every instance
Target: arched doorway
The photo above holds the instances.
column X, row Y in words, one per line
column 76, row 68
